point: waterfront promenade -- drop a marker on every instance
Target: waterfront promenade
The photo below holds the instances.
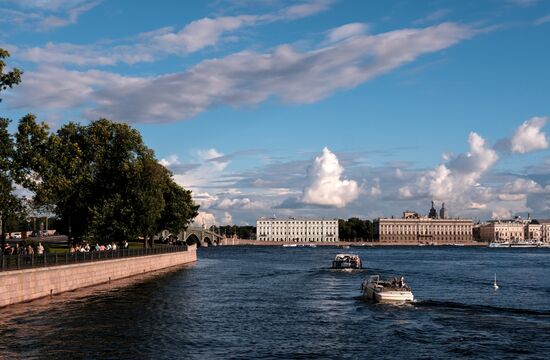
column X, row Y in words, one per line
column 38, row 279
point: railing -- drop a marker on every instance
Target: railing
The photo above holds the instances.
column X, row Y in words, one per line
column 17, row 262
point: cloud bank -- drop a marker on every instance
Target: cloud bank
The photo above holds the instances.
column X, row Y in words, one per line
column 243, row 78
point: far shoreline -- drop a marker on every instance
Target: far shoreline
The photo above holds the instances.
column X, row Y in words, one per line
column 243, row 242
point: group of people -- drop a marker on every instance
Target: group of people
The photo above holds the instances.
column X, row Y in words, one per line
column 399, row 283
column 38, row 249
column 23, row 250
column 85, row 247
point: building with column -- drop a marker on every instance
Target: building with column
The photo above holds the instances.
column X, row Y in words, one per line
column 515, row 230
column 297, row 229
column 416, row 229
column 502, row 231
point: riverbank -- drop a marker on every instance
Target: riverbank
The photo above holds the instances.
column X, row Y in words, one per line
column 29, row 284
column 243, row 242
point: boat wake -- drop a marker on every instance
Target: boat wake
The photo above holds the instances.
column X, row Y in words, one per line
column 474, row 308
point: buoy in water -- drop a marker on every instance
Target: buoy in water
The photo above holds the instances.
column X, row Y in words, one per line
column 495, row 285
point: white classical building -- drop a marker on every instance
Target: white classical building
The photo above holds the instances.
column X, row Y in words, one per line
column 297, row 229
column 417, row 229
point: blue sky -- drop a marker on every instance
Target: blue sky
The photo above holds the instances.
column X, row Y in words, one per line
column 315, row 108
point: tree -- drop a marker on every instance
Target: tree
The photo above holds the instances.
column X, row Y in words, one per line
column 101, row 181
column 7, row 80
column 355, row 229
column 179, row 209
column 9, row 204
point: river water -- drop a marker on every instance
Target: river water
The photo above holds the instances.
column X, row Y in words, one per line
column 284, row 303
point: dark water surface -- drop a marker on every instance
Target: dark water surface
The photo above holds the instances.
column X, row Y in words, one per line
column 283, row 303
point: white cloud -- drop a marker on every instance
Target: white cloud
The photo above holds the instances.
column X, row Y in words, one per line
column 152, row 45
column 204, row 199
column 204, row 219
column 346, row 31
column 305, row 9
column 405, row 192
column 398, row 173
column 244, row 203
column 215, row 158
column 170, row 161
column 243, row 78
column 43, row 15
column 501, row 213
column 227, row 219
column 543, row 20
column 375, row 189
column 522, row 186
column 209, row 154
column 462, row 172
column 529, row 137
column 326, row 184
column 476, row 206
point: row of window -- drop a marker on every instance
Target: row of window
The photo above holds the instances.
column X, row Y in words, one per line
column 295, row 222
column 298, row 239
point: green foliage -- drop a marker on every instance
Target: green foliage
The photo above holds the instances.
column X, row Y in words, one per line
column 101, row 180
column 243, row 232
column 355, row 229
column 179, row 209
column 7, row 80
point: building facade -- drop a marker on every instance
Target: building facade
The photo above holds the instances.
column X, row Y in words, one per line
column 297, row 230
column 502, row 231
column 515, row 230
column 416, row 229
column 544, row 230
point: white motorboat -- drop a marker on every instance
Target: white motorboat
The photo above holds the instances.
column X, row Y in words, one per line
column 395, row 290
column 498, row 244
column 347, row 261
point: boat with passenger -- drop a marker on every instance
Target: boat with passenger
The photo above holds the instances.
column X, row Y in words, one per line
column 347, row 261
column 394, row 290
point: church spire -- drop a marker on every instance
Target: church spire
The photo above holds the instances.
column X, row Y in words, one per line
column 433, row 212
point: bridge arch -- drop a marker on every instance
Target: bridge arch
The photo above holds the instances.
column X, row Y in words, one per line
column 193, row 239
column 207, row 241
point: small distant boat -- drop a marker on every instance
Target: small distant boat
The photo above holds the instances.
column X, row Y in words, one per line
column 290, row 245
column 495, row 285
column 395, row 290
column 347, row 261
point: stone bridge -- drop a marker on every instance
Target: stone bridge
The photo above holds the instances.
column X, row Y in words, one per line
column 201, row 237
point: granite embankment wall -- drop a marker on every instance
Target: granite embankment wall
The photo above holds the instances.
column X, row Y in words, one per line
column 241, row 242
column 25, row 285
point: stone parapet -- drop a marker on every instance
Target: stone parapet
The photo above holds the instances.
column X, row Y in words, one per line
column 25, row 285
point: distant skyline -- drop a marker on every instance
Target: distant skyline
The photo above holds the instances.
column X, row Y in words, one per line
column 320, row 108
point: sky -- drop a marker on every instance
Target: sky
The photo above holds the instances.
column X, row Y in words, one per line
column 316, row 108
